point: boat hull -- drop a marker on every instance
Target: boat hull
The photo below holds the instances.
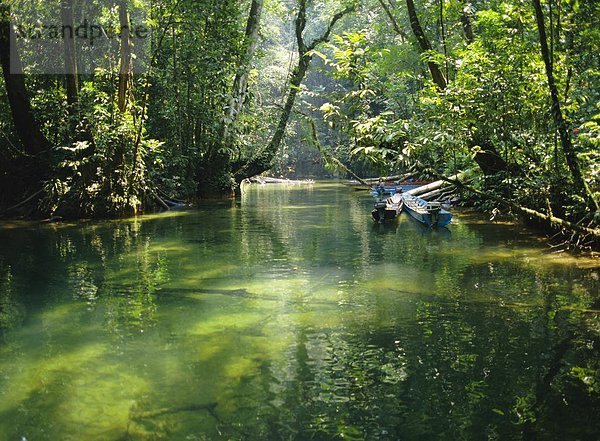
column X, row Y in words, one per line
column 439, row 218
column 384, row 215
column 382, row 190
column 387, row 210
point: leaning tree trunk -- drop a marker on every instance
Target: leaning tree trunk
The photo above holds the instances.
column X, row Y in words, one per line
column 562, row 127
column 214, row 173
column 393, row 20
column 240, row 83
column 125, row 66
column 466, row 18
column 425, row 45
column 21, row 176
column 486, row 156
column 264, row 159
column 70, row 61
column 262, row 162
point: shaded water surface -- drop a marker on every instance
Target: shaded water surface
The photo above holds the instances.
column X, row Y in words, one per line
column 289, row 315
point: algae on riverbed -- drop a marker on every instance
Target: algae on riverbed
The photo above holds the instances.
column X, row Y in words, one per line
column 251, row 322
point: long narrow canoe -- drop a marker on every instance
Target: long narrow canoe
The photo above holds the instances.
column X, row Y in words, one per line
column 429, row 213
column 389, row 187
column 387, row 210
column 385, row 189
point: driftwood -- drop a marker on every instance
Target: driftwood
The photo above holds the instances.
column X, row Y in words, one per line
column 22, row 203
column 241, row 293
column 160, row 200
column 392, row 178
column 269, row 180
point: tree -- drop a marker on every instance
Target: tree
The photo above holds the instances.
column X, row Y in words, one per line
column 125, row 66
column 262, row 161
column 27, row 128
column 70, row 60
column 561, row 125
column 486, row 155
column 214, row 178
column 425, row 46
column 240, row 83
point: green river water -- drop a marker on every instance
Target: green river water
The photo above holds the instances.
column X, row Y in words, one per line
column 289, row 315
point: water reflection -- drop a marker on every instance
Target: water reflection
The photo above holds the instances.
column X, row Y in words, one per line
column 289, row 315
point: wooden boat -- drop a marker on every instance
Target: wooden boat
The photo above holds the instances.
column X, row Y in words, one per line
column 356, row 185
column 376, row 188
column 387, row 210
column 391, row 184
column 428, row 213
column 263, row 180
column 385, row 190
column 411, row 185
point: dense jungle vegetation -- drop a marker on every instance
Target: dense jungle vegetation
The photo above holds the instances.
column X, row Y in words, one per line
column 213, row 92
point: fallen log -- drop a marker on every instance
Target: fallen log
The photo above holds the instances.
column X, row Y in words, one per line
column 435, row 185
column 529, row 213
column 447, row 196
column 269, row 180
column 435, row 193
column 392, row 178
column 22, row 203
column 159, row 200
column 169, row 198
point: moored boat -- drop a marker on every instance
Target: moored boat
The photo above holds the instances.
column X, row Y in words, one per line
column 386, row 188
column 357, row 185
column 428, row 213
column 388, row 209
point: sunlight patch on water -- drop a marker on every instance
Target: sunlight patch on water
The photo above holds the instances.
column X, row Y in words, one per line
column 262, row 319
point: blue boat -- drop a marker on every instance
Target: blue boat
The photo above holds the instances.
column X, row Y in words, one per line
column 385, row 189
column 429, row 213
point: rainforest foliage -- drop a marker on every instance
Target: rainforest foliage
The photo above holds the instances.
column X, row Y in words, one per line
column 198, row 95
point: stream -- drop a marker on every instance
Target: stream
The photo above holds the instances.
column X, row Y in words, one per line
column 289, row 315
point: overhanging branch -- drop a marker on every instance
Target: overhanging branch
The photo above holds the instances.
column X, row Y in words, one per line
column 325, row 36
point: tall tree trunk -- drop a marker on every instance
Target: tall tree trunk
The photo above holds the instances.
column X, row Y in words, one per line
column 264, row 159
column 125, row 68
column 425, row 45
column 214, row 174
column 466, row 18
column 70, row 60
column 443, row 32
column 240, row 83
column 486, row 156
column 28, row 130
column 562, row 126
